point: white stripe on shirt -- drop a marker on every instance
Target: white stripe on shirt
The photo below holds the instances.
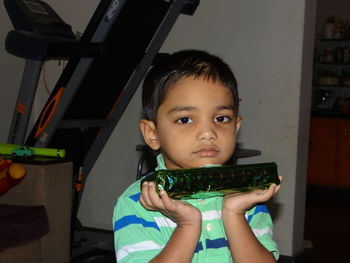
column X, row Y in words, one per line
column 210, row 215
column 261, row 232
column 214, row 214
column 207, row 215
column 141, row 246
column 163, row 221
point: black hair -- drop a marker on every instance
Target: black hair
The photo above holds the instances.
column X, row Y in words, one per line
column 178, row 65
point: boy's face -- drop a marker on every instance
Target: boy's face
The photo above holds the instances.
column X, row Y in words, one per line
column 196, row 124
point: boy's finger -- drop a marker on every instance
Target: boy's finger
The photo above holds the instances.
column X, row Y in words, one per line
column 264, row 195
column 278, row 187
column 165, row 198
column 271, row 191
column 154, row 197
column 169, row 203
column 144, row 198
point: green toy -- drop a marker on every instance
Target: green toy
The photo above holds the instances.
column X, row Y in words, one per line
column 213, row 181
column 26, row 151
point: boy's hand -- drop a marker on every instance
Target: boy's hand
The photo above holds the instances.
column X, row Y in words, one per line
column 182, row 213
column 239, row 203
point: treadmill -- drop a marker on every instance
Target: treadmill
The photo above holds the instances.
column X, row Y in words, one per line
column 105, row 67
column 104, row 70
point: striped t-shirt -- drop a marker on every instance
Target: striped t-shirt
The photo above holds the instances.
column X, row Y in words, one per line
column 140, row 235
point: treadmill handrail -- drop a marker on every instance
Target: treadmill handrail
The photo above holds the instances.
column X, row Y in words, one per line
column 32, row 46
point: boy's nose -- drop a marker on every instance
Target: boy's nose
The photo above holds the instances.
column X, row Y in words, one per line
column 207, row 133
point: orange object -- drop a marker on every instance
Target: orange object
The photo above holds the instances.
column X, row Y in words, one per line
column 11, row 174
column 49, row 111
column 20, row 108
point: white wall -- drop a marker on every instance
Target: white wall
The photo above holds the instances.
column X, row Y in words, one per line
column 263, row 42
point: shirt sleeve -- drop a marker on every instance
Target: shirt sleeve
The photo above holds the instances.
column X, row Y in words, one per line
column 260, row 222
column 137, row 237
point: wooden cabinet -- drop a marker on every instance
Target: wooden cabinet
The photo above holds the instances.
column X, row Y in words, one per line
column 342, row 161
column 329, row 152
column 322, row 149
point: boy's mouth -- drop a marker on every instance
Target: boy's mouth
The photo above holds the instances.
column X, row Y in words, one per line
column 207, row 152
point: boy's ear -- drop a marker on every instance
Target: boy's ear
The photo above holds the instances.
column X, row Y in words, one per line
column 149, row 132
column 238, row 123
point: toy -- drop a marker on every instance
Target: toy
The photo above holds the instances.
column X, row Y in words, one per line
column 25, row 151
column 11, row 174
column 205, row 182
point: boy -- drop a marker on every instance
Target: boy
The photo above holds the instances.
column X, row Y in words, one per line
column 190, row 105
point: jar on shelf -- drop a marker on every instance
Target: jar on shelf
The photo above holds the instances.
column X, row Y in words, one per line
column 328, row 78
column 330, row 55
column 329, row 30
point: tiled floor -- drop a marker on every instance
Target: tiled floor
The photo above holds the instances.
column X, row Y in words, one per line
column 327, row 224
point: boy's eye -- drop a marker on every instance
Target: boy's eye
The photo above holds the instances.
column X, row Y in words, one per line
column 184, row 120
column 222, row 119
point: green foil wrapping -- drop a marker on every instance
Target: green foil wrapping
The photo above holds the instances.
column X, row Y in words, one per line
column 213, row 181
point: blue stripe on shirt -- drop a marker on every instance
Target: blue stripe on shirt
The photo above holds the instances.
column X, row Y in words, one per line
column 258, row 209
column 135, row 197
column 132, row 219
column 199, row 247
column 216, row 243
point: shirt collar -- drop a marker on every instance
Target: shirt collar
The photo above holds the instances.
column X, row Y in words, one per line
column 160, row 163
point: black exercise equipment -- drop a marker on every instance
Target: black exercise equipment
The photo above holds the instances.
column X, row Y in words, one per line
column 104, row 69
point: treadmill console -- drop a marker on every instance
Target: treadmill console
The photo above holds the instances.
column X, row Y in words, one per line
column 37, row 17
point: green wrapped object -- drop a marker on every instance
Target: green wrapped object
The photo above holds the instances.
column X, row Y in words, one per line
column 213, row 181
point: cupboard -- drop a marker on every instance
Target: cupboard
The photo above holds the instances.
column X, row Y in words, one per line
column 329, row 152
